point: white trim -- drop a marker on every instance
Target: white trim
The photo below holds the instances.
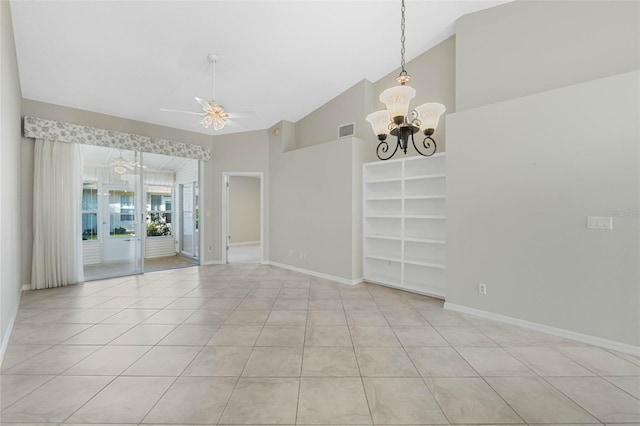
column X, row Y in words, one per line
column 25, row 287
column 225, row 211
column 245, row 243
column 315, row 274
column 7, row 336
column 568, row 334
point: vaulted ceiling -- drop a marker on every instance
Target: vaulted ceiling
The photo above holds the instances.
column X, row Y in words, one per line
column 279, row 59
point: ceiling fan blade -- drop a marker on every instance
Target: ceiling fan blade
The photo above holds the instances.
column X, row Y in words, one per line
column 204, row 104
column 183, row 112
column 129, row 166
column 243, row 114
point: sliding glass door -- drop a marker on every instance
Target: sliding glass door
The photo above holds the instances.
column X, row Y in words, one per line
column 189, row 211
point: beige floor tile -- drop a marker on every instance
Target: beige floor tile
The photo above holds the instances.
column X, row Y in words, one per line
column 154, row 302
column 219, row 361
column 222, row 303
column 374, row 317
column 493, row 362
column 436, row 316
column 188, row 303
column 629, row 384
column 274, row 362
column 289, row 303
column 54, row 360
column 125, row 400
column 601, row 361
column 379, row 335
column 248, row 317
column 536, row 401
column 603, row 400
column 334, row 317
column 325, row 304
column 235, row 335
column 99, row 334
column 328, row 335
column 16, row 354
column 402, row 401
column 332, row 401
column 14, row 387
column 144, row 334
column 130, row 316
column 548, row 362
column 356, row 304
column 193, row 400
column 190, row 335
column 54, row 401
column 404, row 317
column 384, row 362
column 507, row 336
column 262, row 401
column 439, row 362
column 163, row 361
column 46, row 334
column 257, row 303
column 289, row 318
column 281, row 336
column 470, row 400
column 169, row 316
column 464, row 336
column 329, row 362
column 422, row 335
column 210, row 316
column 108, row 361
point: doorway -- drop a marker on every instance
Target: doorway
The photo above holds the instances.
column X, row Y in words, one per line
column 189, row 219
column 243, row 211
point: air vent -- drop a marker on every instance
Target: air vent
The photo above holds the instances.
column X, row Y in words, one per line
column 346, row 130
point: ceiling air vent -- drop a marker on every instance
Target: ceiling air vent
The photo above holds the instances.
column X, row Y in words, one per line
column 346, row 130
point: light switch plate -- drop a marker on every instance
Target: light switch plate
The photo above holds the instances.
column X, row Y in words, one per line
column 599, row 222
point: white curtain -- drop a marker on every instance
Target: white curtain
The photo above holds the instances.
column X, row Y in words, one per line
column 57, row 215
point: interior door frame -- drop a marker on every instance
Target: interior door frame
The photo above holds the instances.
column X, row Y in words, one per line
column 225, row 211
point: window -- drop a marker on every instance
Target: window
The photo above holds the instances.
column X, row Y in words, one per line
column 121, row 213
column 89, row 211
column 159, row 211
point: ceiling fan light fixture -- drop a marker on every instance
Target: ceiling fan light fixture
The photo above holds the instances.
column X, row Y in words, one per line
column 119, row 169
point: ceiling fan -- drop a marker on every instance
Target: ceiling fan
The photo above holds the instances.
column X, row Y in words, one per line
column 121, row 165
column 213, row 114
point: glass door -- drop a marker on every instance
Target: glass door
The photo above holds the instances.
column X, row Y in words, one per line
column 189, row 219
column 113, row 213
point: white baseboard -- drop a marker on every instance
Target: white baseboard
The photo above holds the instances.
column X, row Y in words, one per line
column 25, row 287
column 245, row 243
column 314, row 273
column 568, row 334
column 7, row 336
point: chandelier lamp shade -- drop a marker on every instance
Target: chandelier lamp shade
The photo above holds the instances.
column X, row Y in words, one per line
column 399, row 121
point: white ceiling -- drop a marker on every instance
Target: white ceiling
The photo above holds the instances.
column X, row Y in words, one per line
column 280, row 59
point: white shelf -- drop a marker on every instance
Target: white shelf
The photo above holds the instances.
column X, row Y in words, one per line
column 404, row 231
column 385, row 237
column 424, row 240
column 421, row 263
column 382, row 257
column 425, row 197
column 432, row 176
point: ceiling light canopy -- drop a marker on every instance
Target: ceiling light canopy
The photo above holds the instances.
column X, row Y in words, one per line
column 398, row 120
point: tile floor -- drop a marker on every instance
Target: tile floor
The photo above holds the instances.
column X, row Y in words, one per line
column 250, row 344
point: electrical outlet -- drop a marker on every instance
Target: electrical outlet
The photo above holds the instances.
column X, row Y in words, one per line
column 301, row 255
column 290, row 252
column 482, row 289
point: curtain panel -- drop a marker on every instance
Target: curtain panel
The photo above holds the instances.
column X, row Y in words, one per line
column 57, row 215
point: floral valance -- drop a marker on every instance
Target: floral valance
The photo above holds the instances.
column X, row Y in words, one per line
column 67, row 132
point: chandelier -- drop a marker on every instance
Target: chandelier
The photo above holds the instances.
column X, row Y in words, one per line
column 398, row 121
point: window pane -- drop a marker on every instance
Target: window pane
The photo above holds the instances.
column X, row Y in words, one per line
column 90, row 196
column 89, row 226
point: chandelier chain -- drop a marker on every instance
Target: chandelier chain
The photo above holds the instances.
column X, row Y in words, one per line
column 402, row 39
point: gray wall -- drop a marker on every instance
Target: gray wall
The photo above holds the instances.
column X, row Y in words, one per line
column 12, row 221
column 244, row 209
column 311, row 194
column 527, row 47
column 524, row 173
